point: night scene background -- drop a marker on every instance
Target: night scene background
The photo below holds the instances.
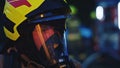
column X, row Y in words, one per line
column 93, row 33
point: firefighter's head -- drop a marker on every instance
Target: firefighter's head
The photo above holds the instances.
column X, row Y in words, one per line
column 35, row 29
column 42, row 42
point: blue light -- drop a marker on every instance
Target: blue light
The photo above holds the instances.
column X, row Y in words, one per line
column 85, row 32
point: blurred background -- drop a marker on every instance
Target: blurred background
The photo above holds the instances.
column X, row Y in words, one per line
column 93, row 33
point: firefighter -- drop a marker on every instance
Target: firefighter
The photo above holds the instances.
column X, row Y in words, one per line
column 35, row 34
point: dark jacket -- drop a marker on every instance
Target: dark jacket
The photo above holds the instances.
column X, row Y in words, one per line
column 2, row 35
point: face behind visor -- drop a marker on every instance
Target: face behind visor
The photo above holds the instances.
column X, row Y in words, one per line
column 43, row 42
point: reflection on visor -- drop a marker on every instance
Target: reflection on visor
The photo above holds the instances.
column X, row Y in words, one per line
column 46, row 37
column 41, row 35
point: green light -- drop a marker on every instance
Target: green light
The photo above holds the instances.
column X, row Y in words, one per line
column 65, row 1
column 93, row 15
column 73, row 9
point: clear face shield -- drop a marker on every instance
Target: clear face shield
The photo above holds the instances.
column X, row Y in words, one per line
column 50, row 39
column 45, row 43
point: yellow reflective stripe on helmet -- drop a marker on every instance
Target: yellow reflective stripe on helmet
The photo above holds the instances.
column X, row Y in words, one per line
column 13, row 36
column 15, row 11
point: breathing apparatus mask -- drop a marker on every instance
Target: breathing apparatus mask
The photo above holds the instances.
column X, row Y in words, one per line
column 43, row 41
